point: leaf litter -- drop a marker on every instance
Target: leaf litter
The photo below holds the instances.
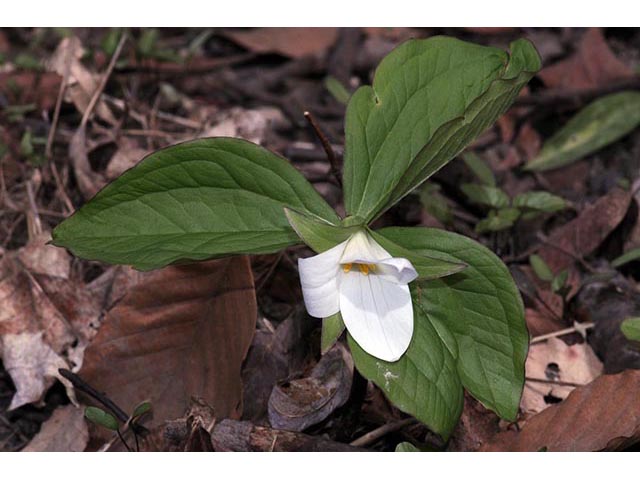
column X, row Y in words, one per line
column 113, row 327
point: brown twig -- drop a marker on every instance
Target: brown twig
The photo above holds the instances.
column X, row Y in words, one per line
column 84, row 387
column 326, row 145
column 553, row 382
column 103, row 82
column 374, row 435
column 56, row 112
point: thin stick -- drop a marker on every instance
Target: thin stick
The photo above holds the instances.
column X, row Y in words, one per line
column 554, row 382
column 326, row 145
column 56, row 112
column 84, row 387
column 126, row 445
column 373, row 435
column 103, row 81
column 559, row 333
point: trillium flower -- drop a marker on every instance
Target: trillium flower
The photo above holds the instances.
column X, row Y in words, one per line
column 369, row 287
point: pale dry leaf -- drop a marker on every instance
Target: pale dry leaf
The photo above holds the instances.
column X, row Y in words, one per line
column 127, row 156
column 81, row 83
column 292, row 42
column 554, row 360
column 65, row 431
column 38, row 257
column 32, row 364
column 180, row 332
column 252, row 125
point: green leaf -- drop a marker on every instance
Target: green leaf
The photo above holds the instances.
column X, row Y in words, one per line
column 540, row 201
column 429, row 99
column 597, row 125
column 434, row 203
column 193, row 201
column 631, row 328
column 332, row 328
column 485, row 195
column 141, row 409
column 540, row 267
column 479, row 168
column 100, row 417
column 337, row 89
column 498, row 220
column 559, row 281
column 406, row 447
column 428, row 267
column 424, row 382
column 483, row 310
column 316, row 232
column 630, row 256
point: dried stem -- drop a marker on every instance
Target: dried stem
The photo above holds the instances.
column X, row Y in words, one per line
column 326, row 145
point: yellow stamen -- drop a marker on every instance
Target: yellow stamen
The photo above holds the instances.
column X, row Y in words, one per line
column 364, row 268
column 347, row 267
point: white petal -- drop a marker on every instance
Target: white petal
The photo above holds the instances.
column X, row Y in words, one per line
column 319, row 280
column 396, row 270
column 361, row 248
column 378, row 314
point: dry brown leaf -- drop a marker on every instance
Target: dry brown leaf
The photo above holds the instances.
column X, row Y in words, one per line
column 300, row 403
column 81, row 83
column 23, row 88
column 592, row 65
column 127, row 156
column 253, row 125
column 584, row 234
column 604, row 415
column 180, row 332
column 292, row 42
column 65, row 431
column 89, row 182
column 46, row 319
column 554, row 360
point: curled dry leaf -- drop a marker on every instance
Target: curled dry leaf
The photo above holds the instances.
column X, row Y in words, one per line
column 253, row 125
column 180, row 332
column 127, row 156
column 292, row 42
column 555, row 361
column 298, row 404
column 65, row 431
column 584, row 234
column 592, row 65
column 603, row 415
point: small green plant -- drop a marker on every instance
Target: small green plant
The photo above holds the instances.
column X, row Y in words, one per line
column 505, row 212
column 104, row 419
column 428, row 313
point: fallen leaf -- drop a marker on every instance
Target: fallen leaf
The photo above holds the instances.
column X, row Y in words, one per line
column 584, row 234
column 23, row 88
column 45, row 317
column 180, row 332
column 298, row 404
column 253, row 125
column 555, row 361
column 292, row 42
column 593, row 64
column 81, row 83
column 89, row 182
column 127, row 156
column 603, row 415
column 607, row 300
column 65, row 431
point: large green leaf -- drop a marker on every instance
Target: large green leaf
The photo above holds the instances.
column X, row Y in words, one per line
column 429, row 99
column 193, row 201
column 482, row 309
column 424, row 382
column 600, row 123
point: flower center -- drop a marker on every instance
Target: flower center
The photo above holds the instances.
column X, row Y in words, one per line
column 364, row 268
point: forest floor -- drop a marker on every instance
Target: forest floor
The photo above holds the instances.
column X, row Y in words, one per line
column 70, row 122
